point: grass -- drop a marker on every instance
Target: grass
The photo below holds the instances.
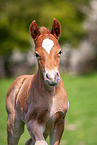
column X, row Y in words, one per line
column 81, row 119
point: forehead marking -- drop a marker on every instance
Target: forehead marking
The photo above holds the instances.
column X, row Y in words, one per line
column 47, row 44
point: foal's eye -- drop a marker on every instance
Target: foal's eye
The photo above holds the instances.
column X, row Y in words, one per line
column 59, row 54
column 37, row 55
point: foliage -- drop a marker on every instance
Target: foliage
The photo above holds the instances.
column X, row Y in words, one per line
column 81, row 118
column 16, row 16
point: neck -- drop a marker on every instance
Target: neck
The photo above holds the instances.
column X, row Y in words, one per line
column 42, row 84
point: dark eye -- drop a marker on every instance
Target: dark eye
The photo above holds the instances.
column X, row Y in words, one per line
column 37, row 55
column 60, row 52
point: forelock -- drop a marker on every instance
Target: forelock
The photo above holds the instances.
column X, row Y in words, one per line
column 44, row 30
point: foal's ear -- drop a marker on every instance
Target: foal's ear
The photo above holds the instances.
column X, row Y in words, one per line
column 34, row 30
column 56, row 28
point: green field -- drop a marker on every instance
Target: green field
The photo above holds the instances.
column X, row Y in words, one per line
column 81, row 119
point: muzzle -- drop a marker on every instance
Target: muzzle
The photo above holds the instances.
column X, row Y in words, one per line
column 52, row 77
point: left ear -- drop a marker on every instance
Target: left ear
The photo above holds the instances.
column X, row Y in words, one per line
column 56, row 28
column 34, row 30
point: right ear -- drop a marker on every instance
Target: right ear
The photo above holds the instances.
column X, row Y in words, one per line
column 34, row 30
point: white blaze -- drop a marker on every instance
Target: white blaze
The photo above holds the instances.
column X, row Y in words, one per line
column 68, row 105
column 47, row 44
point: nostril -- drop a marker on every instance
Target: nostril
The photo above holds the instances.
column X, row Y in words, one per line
column 47, row 76
column 57, row 74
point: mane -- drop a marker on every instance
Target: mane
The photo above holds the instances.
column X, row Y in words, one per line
column 44, row 30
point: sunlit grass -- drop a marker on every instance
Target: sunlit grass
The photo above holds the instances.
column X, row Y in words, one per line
column 81, row 119
column 82, row 114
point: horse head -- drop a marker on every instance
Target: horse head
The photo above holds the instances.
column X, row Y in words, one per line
column 47, row 51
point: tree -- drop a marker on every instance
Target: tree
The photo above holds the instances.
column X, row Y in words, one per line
column 17, row 15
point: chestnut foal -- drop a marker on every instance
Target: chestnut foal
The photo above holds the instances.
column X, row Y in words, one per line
column 39, row 101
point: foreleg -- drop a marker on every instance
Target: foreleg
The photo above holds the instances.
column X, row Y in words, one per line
column 29, row 142
column 15, row 127
column 35, row 130
column 56, row 134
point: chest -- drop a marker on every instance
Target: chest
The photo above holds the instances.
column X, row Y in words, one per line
column 56, row 114
column 51, row 113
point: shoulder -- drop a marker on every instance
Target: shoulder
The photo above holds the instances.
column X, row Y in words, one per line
column 18, row 82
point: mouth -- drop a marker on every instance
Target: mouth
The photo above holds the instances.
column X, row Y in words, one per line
column 52, row 84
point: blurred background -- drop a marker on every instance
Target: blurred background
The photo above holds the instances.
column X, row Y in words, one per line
column 78, row 40
column 78, row 65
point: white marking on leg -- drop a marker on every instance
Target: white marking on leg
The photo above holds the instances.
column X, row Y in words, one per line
column 41, row 142
column 47, row 44
column 42, row 129
column 68, row 105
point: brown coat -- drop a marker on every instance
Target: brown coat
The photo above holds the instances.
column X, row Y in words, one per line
column 39, row 101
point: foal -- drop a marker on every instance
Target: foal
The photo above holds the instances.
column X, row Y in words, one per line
column 39, row 101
